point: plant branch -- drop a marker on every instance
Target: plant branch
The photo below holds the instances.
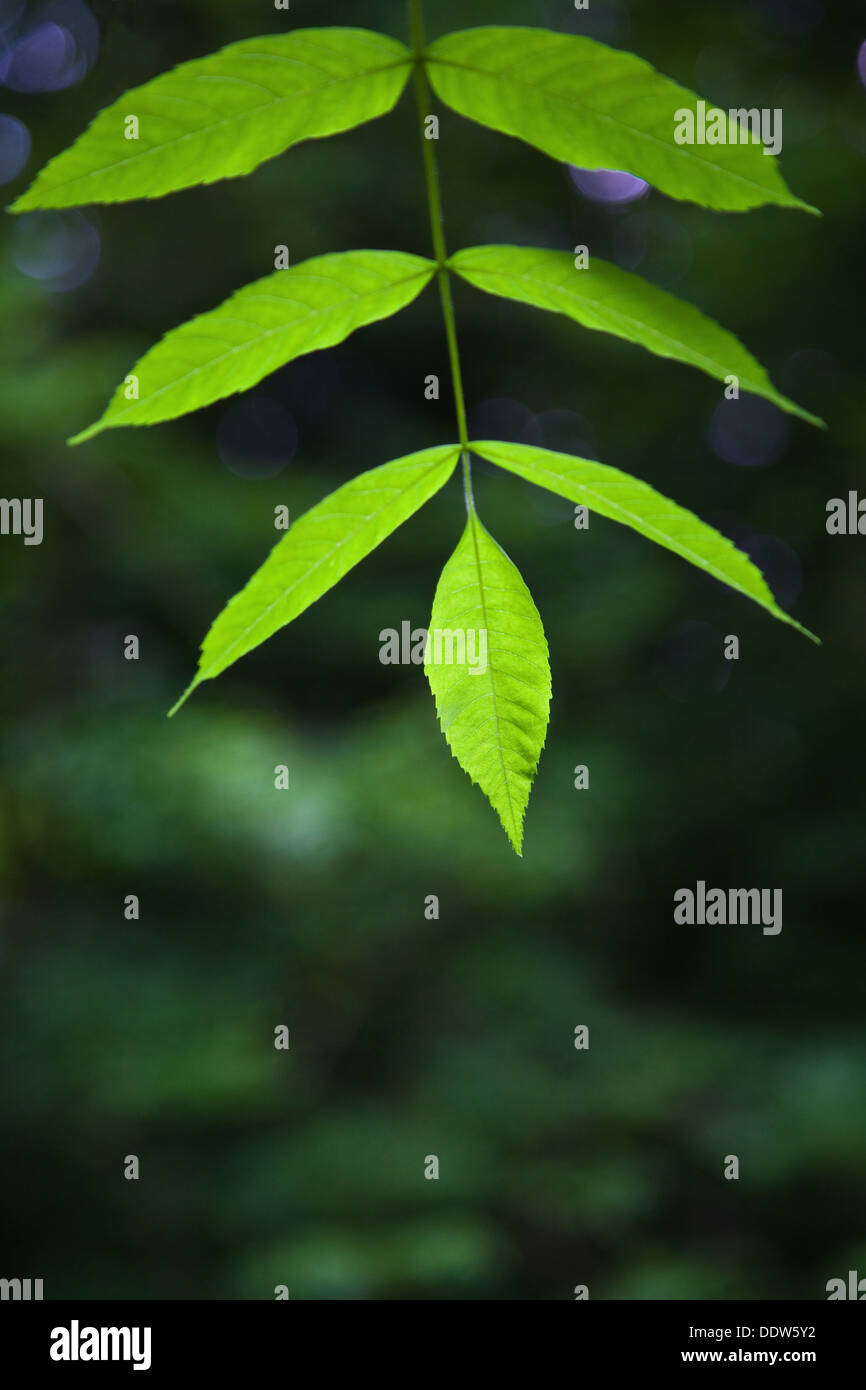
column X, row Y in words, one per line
column 437, row 229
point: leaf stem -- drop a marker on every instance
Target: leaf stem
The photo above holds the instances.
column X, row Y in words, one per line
column 437, row 229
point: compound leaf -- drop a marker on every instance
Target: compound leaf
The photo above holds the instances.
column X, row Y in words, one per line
column 260, row 328
column 494, row 711
column 580, row 101
column 603, row 297
column 223, row 115
column 322, row 546
column 623, row 498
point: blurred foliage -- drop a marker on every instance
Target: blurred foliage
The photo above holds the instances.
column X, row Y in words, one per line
column 454, row 1037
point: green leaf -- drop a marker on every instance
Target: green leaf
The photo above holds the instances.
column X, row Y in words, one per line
column 321, row 547
column 603, row 297
column 494, row 712
column 623, row 498
column 599, row 108
column 262, row 327
column 223, row 115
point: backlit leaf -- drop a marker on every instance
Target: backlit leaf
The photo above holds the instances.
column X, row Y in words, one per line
column 260, row 328
column 598, row 108
column 224, row 115
column 320, row 548
column 493, row 713
column 623, row 498
column 603, row 297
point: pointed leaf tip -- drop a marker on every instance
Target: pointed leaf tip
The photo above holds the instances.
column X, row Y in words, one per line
column 178, row 704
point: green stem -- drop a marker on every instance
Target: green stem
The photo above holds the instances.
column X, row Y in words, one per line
column 437, row 229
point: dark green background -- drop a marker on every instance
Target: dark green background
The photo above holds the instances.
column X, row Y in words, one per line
column 453, row 1037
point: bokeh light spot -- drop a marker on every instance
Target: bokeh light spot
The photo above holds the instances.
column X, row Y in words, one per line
column 750, row 432
column 60, row 249
column 14, row 147
column 564, row 431
column 57, row 46
column 610, row 186
column 502, row 418
column 659, row 244
column 689, row 661
column 256, row 438
column 780, row 566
